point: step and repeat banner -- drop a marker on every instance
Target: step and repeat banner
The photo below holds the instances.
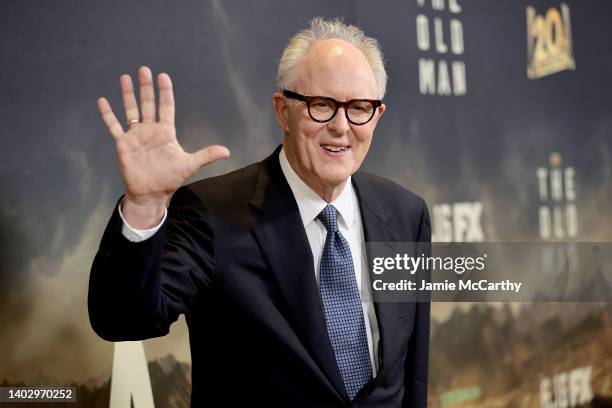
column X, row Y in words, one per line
column 499, row 114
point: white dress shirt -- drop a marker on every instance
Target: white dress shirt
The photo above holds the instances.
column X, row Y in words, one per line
column 310, row 204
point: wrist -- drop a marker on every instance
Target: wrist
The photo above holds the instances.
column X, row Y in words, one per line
column 143, row 214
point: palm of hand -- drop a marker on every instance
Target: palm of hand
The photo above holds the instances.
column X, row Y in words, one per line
column 151, row 160
column 153, row 164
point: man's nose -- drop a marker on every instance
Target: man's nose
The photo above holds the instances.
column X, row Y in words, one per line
column 339, row 124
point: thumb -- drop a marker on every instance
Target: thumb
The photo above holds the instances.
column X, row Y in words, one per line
column 210, row 154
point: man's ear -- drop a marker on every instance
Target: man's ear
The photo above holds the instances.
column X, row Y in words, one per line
column 381, row 109
column 281, row 109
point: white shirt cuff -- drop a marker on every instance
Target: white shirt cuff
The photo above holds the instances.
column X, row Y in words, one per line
column 138, row 235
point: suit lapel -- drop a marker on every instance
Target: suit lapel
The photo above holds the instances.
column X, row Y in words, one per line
column 375, row 215
column 282, row 237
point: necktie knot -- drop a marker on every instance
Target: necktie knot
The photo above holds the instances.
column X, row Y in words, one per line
column 329, row 218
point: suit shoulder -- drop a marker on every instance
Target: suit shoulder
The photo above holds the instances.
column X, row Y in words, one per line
column 402, row 205
column 233, row 187
column 391, row 191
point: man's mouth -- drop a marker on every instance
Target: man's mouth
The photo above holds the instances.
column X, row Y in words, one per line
column 334, row 149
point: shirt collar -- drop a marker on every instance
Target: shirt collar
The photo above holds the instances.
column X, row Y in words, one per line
column 310, row 203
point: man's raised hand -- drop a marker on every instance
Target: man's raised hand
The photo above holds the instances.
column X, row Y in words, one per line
column 152, row 162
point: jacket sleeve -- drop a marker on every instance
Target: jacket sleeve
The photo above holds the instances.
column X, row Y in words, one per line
column 417, row 360
column 138, row 289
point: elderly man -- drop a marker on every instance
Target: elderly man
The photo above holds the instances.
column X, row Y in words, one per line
column 267, row 263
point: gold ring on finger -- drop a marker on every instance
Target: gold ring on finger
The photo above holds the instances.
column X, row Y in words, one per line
column 132, row 121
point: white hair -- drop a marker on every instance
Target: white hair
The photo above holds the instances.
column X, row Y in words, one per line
column 321, row 29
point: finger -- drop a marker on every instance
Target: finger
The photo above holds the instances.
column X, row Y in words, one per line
column 210, row 154
column 166, row 98
column 129, row 99
column 109, row 118
column 147, row 95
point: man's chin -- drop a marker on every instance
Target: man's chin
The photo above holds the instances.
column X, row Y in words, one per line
column 334, row 178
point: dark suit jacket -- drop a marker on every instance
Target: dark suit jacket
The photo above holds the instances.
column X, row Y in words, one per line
column 233, row 256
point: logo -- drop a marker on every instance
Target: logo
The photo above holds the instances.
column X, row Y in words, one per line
column 457, row 222
column 549, row 42
column 567, row 389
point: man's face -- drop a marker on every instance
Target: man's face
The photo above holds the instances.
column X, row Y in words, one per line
column 336, row 69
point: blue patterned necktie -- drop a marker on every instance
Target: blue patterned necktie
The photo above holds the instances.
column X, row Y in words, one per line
column 342, row 307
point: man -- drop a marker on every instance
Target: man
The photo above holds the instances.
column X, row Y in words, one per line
column 267, row 263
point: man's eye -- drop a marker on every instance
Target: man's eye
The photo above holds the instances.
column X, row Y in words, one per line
column 360, row 108
column 320, row 105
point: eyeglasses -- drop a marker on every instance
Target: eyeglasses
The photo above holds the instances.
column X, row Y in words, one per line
column 323, row 109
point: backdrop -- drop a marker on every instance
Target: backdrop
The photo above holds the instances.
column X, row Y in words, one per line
column 498, row 114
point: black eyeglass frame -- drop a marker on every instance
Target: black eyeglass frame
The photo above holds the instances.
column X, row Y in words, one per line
column 308, row 99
